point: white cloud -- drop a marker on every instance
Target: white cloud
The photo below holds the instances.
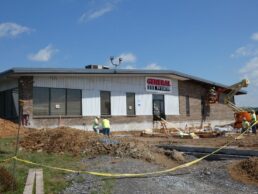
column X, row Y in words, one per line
column 12, row 29
column 153, row 66
column 255, row 36
column 94, row 14
column 250, row 66
column 245, row 51
column 127, row 58
column 250, row 99
column 44, row 54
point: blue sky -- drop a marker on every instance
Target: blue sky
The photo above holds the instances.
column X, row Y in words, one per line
column 215, row 40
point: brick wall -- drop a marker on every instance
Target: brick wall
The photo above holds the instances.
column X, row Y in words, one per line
column 217, row 111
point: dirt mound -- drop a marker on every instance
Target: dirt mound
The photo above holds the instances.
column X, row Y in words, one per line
column 7, row 181
column 8, row 128
column 245, row 171
column 78, row 142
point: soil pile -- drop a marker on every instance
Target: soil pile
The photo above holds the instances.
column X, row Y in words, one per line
column 245, row 171
column 78, row 142
column 7, row 181
column 8, row 128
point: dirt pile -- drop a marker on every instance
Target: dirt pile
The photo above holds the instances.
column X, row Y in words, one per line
column 78, row 142
column 245, row 171
column 7, row 181
column 8, row 128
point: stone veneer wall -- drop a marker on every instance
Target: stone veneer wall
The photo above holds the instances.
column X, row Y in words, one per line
column 25, row 87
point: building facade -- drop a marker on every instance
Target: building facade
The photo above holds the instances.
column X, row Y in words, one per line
column 131, row 99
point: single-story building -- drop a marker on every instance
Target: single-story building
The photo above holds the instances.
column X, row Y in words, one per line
column 131, row 99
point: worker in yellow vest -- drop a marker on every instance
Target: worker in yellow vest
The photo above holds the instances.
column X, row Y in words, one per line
column 106, row 127
column 245, row 125
column 95, row 125
column 253, row 120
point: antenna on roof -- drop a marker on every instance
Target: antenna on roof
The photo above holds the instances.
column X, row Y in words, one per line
column 112, row 58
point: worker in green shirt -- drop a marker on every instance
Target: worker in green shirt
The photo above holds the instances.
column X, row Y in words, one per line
column 245, row 125
column 253, row 120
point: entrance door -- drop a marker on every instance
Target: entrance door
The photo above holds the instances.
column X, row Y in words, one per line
column 158, row 107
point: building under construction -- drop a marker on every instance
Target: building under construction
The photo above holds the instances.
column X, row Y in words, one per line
column 131, row 99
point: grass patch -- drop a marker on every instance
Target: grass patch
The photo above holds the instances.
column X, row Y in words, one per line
column 54, row 180
column 108, row 185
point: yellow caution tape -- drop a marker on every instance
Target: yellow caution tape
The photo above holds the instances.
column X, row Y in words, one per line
column 130, row 174
column 7, row 159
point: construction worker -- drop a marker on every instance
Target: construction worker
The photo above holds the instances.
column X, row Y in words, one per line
column 245, row 125
column 106, row 127
column 253, row 120
column 96, row 124
column 212, row 94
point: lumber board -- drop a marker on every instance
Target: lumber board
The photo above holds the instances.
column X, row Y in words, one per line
column 39, row 181
column 28, row 189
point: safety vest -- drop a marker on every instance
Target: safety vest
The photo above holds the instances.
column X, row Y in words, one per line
column 105, row 123
column 245, row 124
column 254, row 117
column 96, row 123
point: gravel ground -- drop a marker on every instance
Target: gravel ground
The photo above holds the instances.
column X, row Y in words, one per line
column 207, row 177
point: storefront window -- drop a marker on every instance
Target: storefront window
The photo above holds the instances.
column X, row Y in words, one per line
column 41, row 101
column 56, row 101
column 74, row 102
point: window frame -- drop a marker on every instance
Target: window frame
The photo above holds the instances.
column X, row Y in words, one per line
column 127, row 105
column 187, row 105
column 109, row 112
column 66, row 102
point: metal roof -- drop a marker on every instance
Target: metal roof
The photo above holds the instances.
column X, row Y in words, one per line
column 82, row 71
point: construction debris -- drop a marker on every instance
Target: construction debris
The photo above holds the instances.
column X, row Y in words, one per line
column 245, row 171
column 176, row 155
column 77, row 142
column 8, row 128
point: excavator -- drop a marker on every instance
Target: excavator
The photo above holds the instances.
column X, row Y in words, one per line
column 239, row 113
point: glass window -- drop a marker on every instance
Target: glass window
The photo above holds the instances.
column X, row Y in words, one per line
column 2, row 104
column 57, row 101
column 203, row 105
column 73, row 102
column 187, row 105
column 130, row 103
column 105, row 103
column 41, row 101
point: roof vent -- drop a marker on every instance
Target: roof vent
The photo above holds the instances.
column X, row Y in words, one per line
column 96, row 67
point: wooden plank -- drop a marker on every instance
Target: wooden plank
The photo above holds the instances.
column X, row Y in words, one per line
column 39, row 181
column 28, row 189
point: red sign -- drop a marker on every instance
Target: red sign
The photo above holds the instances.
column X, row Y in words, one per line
column 158, row 85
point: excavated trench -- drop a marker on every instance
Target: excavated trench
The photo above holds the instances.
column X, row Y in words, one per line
column 224, row 154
